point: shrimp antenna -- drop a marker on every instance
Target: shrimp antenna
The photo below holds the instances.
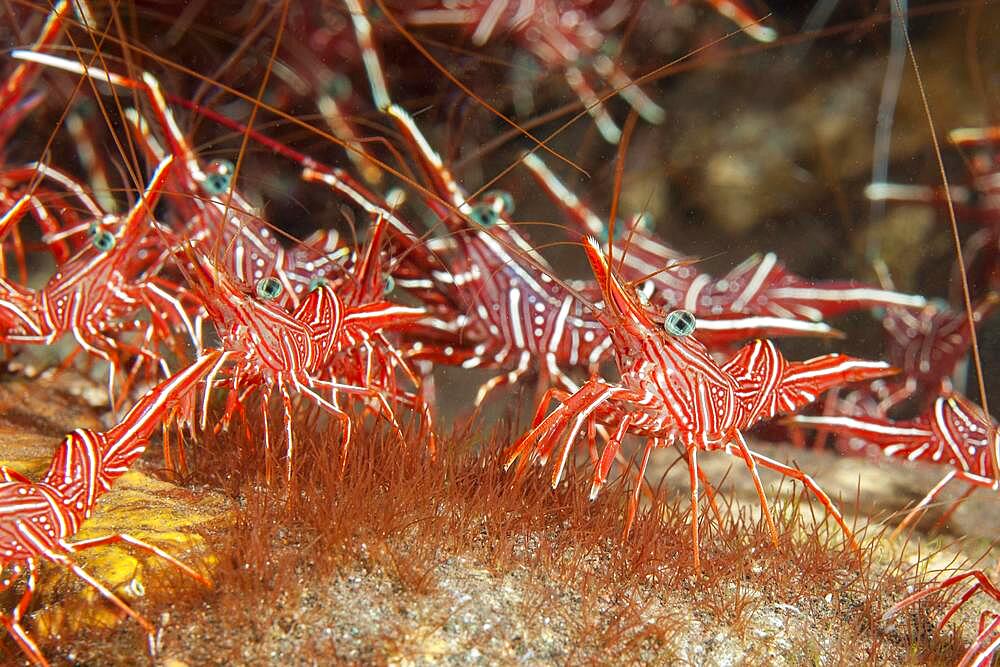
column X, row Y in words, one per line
column 255, row 107
column 630, row 122
column 953, row 223
column 380, row 88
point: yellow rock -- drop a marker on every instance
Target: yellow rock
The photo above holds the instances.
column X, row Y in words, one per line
column 155, row 512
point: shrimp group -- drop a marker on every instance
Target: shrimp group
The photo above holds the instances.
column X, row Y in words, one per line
column 189, row 286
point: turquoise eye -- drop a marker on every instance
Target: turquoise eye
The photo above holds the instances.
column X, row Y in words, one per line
column 268, row 289
column 390, row 284
column 339, row 87
column 103, row 240
column 218, row 177
column 506, row 200
column 316, row 283
column 680, row 323
column 619, row 230
column 484, row 215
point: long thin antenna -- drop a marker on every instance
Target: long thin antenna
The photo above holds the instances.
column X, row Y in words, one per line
column 966, row 296
column 539, row 143
column 617, row 191
column 253, row 113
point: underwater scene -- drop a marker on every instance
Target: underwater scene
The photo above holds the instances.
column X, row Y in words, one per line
column 488, row 332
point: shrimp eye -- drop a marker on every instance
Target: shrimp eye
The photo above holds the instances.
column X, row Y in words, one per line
column 218, row 176
column 268, row 289
column 389, row 284
column 506, row 200
column 484, row 215
column 619, row 231
column 339, row 87
column 103, row 240
column 680, row 323
column 314, row 284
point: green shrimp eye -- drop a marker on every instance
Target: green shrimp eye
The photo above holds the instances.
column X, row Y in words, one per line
column 619, row 231
column 268, row 289
column 680, row 323
column 506, row 200
column 339, row 87
column 390, row 284
column 484, row 215
column 219, row 176
column 316, row 283
column 103, row 240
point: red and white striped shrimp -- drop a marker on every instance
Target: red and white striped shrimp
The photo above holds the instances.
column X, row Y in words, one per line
column 953, row 432
column 37, row 519
column 97, row 293
column 331, row 345
column 220, row 217
column 38, row 189
column 671, row 389
column 504, row 310
column 927, row 346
